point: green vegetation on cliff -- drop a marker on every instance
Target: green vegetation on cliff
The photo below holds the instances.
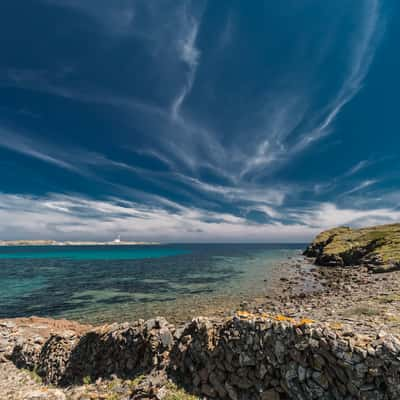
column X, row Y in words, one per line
column 377, row 246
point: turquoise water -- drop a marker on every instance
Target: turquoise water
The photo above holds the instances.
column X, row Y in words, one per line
column 90, row 253
column 113, row 283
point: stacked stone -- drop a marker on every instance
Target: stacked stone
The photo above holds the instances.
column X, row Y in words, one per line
column 119, row 349
column 26, row 351
column 55, row 358
column 25, row 354
column 238, row 359
column 264, row 359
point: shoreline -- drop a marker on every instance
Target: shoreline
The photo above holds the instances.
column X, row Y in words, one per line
column 349, row 303
column 296, row 288
column 350, row 297
column 227, row 283
column 218, row 304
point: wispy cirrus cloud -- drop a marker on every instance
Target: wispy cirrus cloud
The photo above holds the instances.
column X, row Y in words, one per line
column 328, row 215
column 74, row 159
column 274, row 147
column 223, row 142
column 284, row 125
column 361, row 57
column 190, row 55
column 358, row 167
column 32, row 148
column 91, row 165
column 66, row 217
column 363, row 185
column 267, row 196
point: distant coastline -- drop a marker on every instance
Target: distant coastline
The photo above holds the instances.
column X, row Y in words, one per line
column 5, row 243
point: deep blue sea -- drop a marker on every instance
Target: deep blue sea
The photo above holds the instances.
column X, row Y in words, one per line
column 116, row 283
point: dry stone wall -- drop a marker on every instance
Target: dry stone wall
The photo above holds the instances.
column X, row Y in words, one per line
column 265, row 359
column 238, row 359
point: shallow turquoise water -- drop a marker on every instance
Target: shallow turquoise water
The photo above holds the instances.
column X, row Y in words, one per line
column 108, row 283
column 90, row 253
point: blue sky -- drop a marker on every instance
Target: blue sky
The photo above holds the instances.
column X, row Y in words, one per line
column 179, row 120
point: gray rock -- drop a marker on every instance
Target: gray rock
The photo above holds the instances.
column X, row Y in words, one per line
column 270, row 394
column 52, row 394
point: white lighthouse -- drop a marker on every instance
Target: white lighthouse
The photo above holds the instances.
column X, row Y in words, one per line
column 117, row 239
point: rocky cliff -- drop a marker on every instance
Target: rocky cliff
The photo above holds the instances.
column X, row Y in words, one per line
column 377, row 247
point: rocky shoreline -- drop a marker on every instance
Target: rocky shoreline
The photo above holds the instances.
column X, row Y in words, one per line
column 352, row 304
column 317, row 333
column 351, row 296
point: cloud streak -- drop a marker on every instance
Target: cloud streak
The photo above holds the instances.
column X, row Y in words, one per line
column 190, row 55
column 358, row 167
column 362, row 52
column 273, row 148
column 32, row 148
column 200, row 148
column 77, row 160
column 282, row 124
column 328, row 215
column 69, row 217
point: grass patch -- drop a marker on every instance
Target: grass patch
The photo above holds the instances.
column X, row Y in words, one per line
column 87, row 380
column 387, row 299
column 175, row 393
column 136, row 381
column 113, row 384
column 34, row 376
column 393, row 319
column 363, row 310
column 358, row 245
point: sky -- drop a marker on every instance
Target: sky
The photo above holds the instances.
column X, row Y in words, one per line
column 197, row 121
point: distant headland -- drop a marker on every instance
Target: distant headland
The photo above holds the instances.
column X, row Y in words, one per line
column 71, row 243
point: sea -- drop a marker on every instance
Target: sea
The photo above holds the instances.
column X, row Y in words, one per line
column 104, row 284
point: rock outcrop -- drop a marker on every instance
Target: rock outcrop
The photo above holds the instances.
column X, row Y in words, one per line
column 377, row 247
column 245, row 357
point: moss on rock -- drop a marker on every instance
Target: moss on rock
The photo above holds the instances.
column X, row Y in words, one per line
column 377, row 246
